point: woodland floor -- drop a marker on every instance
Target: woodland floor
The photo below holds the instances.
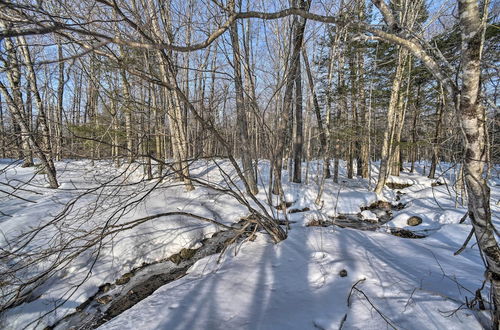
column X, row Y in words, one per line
column 339, row 267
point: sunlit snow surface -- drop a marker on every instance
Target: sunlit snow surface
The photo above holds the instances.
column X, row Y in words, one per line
column 413, row 283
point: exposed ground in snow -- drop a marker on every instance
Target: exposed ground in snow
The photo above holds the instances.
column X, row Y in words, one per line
column 408, row 283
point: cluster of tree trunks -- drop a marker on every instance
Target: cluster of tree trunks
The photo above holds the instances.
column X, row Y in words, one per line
column 145, row 101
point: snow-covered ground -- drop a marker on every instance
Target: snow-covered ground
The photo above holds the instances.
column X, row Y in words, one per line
column 296, row 284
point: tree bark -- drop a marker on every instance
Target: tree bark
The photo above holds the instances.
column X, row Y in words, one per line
column 175, row 111
column 128, row 104
column 298, row 27
column 364, row 149
column 42, row 115
column 396, row 161
column 32, row 143
column 341, row 142
column 387, row 145
column 3, row 133
column 414, row 148
column 241, row 116
column 298, row 140
column 15, row 102
column 60, row 107
column 472, row 117
column 17, row 110
column 435, row 140
column 324, row 148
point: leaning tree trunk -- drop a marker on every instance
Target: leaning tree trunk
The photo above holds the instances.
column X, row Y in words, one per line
column 46, row 147
column 391, row 115
column 254, row 118
column 323, row 148
column 16, row 105
column 395, row 160
column 16, row 113
column 298, row 27
column 175, row 111
column 472, row 118
column 245, row 144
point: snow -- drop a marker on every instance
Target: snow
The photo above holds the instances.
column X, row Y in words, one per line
column 368, row 215
column 295, row 284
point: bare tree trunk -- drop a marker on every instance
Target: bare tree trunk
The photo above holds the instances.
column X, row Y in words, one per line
column 364, row 148
column 60, row 100
column 308, row 133
column 364, row 132
column 244, row 141
column 187, row 55
column 435, row 140
column 331, row 138
column 158, row 130
column 472, row 117
column 23, row 123
column 178, row 137
column 175, row 111
column 91, row 106
column 323, row 151
column 395, row 160
column 341, row 109
column 127, row 109
column 298, row 140
column 352, row 115
column 115, row 148
column 42, row 115
column 414, row 148
column 77, row 100
column 298, row 27
column 16, row 106
column 391, row 119
column 15, row 102
column 254, row 118
column 3, row 133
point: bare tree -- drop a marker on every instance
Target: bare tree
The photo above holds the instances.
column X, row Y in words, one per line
column 179, row 115
column 241, row 114
column 60, row 101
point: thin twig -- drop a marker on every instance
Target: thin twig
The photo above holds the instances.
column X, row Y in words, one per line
column 465, row 243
